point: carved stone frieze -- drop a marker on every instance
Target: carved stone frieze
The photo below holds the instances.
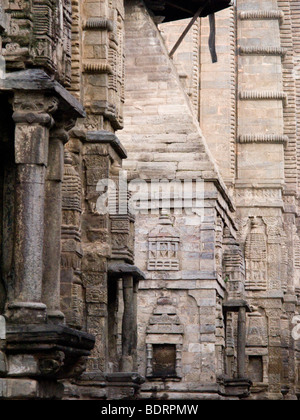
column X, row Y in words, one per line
column 39, row 34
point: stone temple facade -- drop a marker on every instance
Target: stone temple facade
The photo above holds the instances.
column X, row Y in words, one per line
column 194, row 301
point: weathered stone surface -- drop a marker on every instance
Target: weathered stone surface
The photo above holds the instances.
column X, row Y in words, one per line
column 218, row 298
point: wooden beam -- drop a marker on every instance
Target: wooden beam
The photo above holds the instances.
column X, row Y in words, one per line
column 187, row 29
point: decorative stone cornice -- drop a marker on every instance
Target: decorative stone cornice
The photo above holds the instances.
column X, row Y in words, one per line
column 263, row 96
column 263, row 138
column 276, row 51
column 262, row 15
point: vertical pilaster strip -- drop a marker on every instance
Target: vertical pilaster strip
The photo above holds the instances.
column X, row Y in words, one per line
column 295, row 21
column 291, row 164
column 75, row 87
column 233, row 84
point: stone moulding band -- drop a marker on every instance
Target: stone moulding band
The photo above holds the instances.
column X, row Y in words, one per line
column 263, row 138
column 263, row 51
column 27, row 305
column 264, row 96
column 97, row 68
column 98, row 24
column 262, row 15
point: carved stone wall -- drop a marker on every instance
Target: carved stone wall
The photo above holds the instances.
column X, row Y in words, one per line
column 218, row 305
column 39, row 34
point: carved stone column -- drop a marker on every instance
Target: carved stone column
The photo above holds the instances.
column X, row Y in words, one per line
column 33, row 121
column 237, row 386
column 127, row 325
column 53, row 222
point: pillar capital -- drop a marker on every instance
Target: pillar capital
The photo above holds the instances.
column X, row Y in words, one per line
column 33, row 118
column 34, row 102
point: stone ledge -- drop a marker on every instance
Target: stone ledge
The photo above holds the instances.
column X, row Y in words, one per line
column 235, row 305
column 117, row 269
column 103, row 136
column 127, row 377
column 37, row 80
column 35, row 338
column 28, row 389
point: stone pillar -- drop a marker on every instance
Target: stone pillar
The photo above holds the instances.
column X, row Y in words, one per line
column 128, row 325
column 135, row 324
column 241, row 343
column 53, row 223
column 31, row 156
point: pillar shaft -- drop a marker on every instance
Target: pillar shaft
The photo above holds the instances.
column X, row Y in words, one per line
column 53, row 222
column 31, row 155
column 128, row 325
column 241, row 343
column 135, row 324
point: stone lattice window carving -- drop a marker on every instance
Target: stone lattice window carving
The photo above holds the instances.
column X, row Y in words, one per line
column 164, row 242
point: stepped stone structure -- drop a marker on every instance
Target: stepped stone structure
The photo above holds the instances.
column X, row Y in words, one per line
column 184, row 282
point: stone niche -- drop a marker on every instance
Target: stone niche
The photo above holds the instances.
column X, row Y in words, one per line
column 257, row 346
column 164, row 342
column 164, row 360
column 256, row 256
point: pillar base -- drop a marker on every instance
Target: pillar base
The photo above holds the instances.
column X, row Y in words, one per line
column 237, row 387
column 55, row 317
column 29, row 389
column 38, row 357
column 127, row 364
column 26, row 313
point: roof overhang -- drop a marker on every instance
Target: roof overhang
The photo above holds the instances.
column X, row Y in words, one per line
column 183, row 9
